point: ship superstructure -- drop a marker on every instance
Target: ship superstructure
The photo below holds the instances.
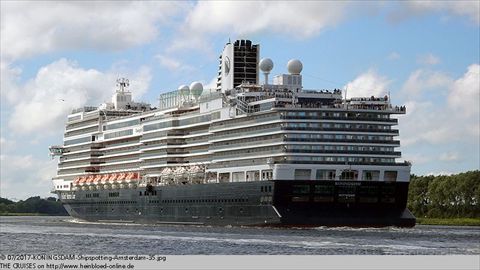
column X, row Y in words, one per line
column 245, row 153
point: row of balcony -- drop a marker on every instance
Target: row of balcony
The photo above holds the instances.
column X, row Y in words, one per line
column 390, row 120
column 376, row 130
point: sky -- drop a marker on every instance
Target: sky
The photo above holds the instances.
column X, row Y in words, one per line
column 56, row 56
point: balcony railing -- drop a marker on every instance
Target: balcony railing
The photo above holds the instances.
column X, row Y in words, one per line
column 307, row 140
column 342, row 163
column 242, row 123
column 236, row 145
column 346, row 152
column 390, row 120
column 376, row 130
column 260, row 132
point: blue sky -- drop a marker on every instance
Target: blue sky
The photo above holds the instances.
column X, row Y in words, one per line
column 426, row 54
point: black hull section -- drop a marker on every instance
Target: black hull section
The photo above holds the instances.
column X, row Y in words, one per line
column 343, row 203
column 265, row 203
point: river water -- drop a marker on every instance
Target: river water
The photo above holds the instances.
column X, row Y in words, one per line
column 65, row 235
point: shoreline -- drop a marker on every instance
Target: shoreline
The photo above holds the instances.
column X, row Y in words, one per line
column 449, row 221
column 29, row 215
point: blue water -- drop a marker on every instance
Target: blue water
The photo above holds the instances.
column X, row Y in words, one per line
column 65, row 235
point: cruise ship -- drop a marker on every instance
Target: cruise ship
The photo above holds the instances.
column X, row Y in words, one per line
column 249, row 152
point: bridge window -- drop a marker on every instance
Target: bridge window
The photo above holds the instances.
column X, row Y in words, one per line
column 349, row 175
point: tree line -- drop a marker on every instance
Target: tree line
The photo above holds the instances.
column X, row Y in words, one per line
column 33, row 205
column 445, row 196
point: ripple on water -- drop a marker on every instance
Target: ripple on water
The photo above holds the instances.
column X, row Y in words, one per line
column 67, row 235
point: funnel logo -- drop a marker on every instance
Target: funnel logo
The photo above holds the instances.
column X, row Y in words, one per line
column 227, row 65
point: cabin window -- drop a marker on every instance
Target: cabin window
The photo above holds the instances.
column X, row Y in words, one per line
column 238, row 177
column 224, row 177
column 324, row 190
column 325, row 175
column 371, row 175
column 301, row 189
column 302, row 174
column 267, row 175
column 253, row 175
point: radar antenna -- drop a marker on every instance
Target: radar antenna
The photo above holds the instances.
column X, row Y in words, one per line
column 122, row 83
column 266, row 65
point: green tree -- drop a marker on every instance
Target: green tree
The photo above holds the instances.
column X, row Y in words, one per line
column 445, row 196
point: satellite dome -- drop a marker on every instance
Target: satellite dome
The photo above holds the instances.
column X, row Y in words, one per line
column 184, row 90
column 196, row 88
column 294, row 66
column 266, row 65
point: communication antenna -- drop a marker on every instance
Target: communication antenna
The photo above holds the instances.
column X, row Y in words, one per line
column 122, row 83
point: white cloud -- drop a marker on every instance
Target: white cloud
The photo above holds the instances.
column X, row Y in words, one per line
column 23, row 176
column 9, row 82
column 463, row 9
column 393, row 56
column 416, row 159
column 368, row 84
column 298, row 19
column 6, row 145
column 422, row 80
column 428, row 59
column 3, row 143
column 34, row 27
column 43, row 102
column 173, row 64
column 424, row 122
column 212, row 84
column 465, row 93
column 168, row 62
column 454, row 119
column 449, row 156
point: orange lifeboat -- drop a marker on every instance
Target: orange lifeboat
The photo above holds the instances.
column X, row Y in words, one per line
column 104, row 178
column 81, row 180
column 97, row 178
column 121, row 177
column 112, row 177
